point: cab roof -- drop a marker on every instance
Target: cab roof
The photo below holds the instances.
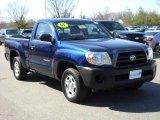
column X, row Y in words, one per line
column 63, row 19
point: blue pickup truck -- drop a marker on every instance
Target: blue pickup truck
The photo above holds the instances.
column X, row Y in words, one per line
column 82, row 55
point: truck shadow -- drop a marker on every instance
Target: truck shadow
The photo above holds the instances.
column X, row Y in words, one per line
column 146, row 99
column 44, row 80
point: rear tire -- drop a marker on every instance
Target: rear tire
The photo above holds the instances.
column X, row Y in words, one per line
column 19, row 71
column 73, row 86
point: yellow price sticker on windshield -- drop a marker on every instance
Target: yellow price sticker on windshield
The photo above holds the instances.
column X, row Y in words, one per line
column 63, row 25
column 82, row 26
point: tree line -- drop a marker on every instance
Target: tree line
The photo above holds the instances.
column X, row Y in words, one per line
column 140, row 18
column 64, row 9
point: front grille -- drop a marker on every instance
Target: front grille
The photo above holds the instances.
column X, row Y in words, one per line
column 136, row 37
column 124, row 58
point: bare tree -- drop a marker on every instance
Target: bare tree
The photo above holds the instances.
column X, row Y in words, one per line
column 105, row 15
column 3, row 25
column 18, row 14
column 61, row 8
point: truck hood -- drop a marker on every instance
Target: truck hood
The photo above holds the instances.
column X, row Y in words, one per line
column 108, row 45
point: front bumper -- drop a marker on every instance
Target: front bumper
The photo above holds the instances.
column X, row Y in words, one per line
column 109, row 78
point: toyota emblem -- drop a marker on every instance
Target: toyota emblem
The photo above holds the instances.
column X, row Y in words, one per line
column 132, row 58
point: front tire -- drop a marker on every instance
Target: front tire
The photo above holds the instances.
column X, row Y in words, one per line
column 19, row 71
column 73, row 86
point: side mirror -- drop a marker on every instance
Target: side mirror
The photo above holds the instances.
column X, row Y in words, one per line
column 46, row 37
column 115, row 35
column 96, row 30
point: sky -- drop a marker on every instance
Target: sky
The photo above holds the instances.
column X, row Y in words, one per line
column 86, row 7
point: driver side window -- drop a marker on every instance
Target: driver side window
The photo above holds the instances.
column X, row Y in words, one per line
column 43, row 28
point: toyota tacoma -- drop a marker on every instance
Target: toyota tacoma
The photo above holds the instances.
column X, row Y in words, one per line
column 82, row 55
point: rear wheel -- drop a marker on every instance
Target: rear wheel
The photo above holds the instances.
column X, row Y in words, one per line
column 73, row 86
column 18, row 70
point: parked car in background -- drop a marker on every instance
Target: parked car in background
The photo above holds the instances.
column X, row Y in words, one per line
column 155, row 43
column 118, row 31
column 26, row 32
column 140, row 29
column 131, row 28
column 136, row 28
column 7, row 32
column 153, row 28
column 148, row 35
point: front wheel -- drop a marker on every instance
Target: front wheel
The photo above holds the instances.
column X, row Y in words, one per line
column 18, row 70
column 73, row 86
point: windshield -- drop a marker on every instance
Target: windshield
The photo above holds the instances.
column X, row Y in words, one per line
column 112, row 26
column 80, row 30
column 11, row 32
column 27, row 31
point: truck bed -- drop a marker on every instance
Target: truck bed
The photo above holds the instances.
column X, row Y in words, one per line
column 15, row 43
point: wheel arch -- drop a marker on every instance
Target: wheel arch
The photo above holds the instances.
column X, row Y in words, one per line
column 61, row 66
column 13, row 54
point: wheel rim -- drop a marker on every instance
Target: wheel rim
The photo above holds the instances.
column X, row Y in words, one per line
column 70, row 86
column 16, row 69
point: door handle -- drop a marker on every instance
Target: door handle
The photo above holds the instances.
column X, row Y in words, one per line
column 32, row 47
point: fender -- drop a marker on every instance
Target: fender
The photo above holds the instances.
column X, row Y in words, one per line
column 68, row 55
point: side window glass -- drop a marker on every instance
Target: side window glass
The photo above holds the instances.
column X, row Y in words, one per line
column 43, row 28
column 93, row 30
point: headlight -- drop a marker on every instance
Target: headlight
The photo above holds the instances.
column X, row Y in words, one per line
column 150, row 53
column 98, row 58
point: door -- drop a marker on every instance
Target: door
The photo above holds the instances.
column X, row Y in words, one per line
column 41, row 52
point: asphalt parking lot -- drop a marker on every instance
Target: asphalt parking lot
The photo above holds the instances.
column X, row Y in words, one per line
column 41, row 98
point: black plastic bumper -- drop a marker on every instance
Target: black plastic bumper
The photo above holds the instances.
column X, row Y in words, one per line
column 109, row 78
